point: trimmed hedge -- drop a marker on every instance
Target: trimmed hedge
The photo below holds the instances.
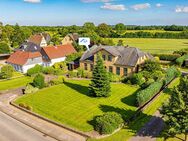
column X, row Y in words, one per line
column 181, row 59
column 108, row 123
column 35, row 70
column 144, row 95
column 171, row 73
column 167, row 57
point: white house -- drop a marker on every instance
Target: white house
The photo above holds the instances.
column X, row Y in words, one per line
column 22, row 61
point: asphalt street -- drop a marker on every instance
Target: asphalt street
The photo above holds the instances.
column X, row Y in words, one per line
column 13, row 130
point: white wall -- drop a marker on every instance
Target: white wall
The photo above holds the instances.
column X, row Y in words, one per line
column 26, row 67
column 43, row 42
column 53, row 61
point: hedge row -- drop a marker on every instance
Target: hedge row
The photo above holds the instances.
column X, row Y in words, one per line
column 144, row 95
column 167, row 57
column 181, row 59
column 171, row 73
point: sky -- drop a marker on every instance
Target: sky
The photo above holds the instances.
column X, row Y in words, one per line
column 77, row 12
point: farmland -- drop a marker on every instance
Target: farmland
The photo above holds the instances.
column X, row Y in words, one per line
column 155, row 45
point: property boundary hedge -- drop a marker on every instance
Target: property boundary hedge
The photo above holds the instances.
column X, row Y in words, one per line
column 167, row 57
column 181, row 59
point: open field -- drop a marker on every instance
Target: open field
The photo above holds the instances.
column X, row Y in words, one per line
column 126, row 133
column 155, row 45
column 14, row 83
column 70, row 104
column 151, row 31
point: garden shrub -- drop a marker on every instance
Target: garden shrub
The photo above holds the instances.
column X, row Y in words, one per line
column 72, row 74
column 147, row 83
column 38, row 81
column 81, row 72
column 62, row 66
column 181, row 59
column 30, row 89
column 151, row 66
column 137, row 79
column 35, row 70
column 145, row 95
column 108, row 123
column 57, row 81
column 48, row 70
column 115, row 78
column 167, row 57
column 27, row 107
column 6, row 72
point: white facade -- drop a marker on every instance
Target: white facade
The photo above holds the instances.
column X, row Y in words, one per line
column 57, row 60
column 43, row 42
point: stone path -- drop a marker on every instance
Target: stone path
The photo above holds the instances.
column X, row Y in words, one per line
column 45, row 127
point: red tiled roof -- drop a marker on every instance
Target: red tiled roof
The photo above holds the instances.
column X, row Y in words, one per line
column 59, row 51
column 21, row 57
column 37, row 39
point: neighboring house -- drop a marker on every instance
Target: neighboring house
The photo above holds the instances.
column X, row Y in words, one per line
column 3, row 58
column 38, row 39
column 47, row 37
column 22, row 61
column 122, row 61
column 29, row 47
column 55, row 54
column 70, row 39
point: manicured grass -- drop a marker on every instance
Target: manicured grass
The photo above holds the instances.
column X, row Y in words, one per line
column 155, row 45
column 126, row 133
column 70, row 104
column 14, row 83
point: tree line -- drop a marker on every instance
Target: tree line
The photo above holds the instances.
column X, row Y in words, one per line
column 14, row 35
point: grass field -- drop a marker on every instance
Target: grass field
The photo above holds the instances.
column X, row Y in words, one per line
column 70, row 104
column 14, row 83
column 126, row 133
column 155, row 45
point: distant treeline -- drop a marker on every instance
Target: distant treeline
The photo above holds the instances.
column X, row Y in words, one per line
column 14, row 35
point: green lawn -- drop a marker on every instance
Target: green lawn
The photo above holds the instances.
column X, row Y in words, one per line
column 14, row 83
column 126, row 133
column 70, row 104
column 155, row 45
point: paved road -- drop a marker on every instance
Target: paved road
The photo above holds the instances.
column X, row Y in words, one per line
column 13, row 130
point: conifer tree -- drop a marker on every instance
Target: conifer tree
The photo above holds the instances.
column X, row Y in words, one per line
column 175, row 112
column 100, row 83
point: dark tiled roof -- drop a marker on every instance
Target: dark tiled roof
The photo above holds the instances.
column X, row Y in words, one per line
column 29, row 47
column 127, row 56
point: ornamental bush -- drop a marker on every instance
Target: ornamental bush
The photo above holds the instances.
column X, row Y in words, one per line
column 38, row 81
column 115, row 78
column 30, row 89
column 108, row 123
column 35, row 70
column 48, row 70
column 181, row 59
column 137, row 79
column 145, row 95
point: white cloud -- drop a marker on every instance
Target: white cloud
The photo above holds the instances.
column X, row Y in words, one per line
column 118, row 7
column 141, row 6
column 159, row 5
column 92, row 1
column 32, row 1
column 181, row 9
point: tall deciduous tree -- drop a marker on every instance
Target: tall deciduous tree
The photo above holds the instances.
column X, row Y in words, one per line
column 104, row 30
column 176, row 111
column 100, row 83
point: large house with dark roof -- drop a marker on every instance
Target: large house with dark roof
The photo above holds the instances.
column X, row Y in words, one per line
column 22, row 60
column 119, row 60
column 29, row 47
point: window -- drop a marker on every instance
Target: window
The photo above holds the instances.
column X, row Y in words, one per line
column 85, row 66
column 111, row 69
column 110, row 58
column 104, row 57
column 118, row 70
column 91, row 67
column 125, row 71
